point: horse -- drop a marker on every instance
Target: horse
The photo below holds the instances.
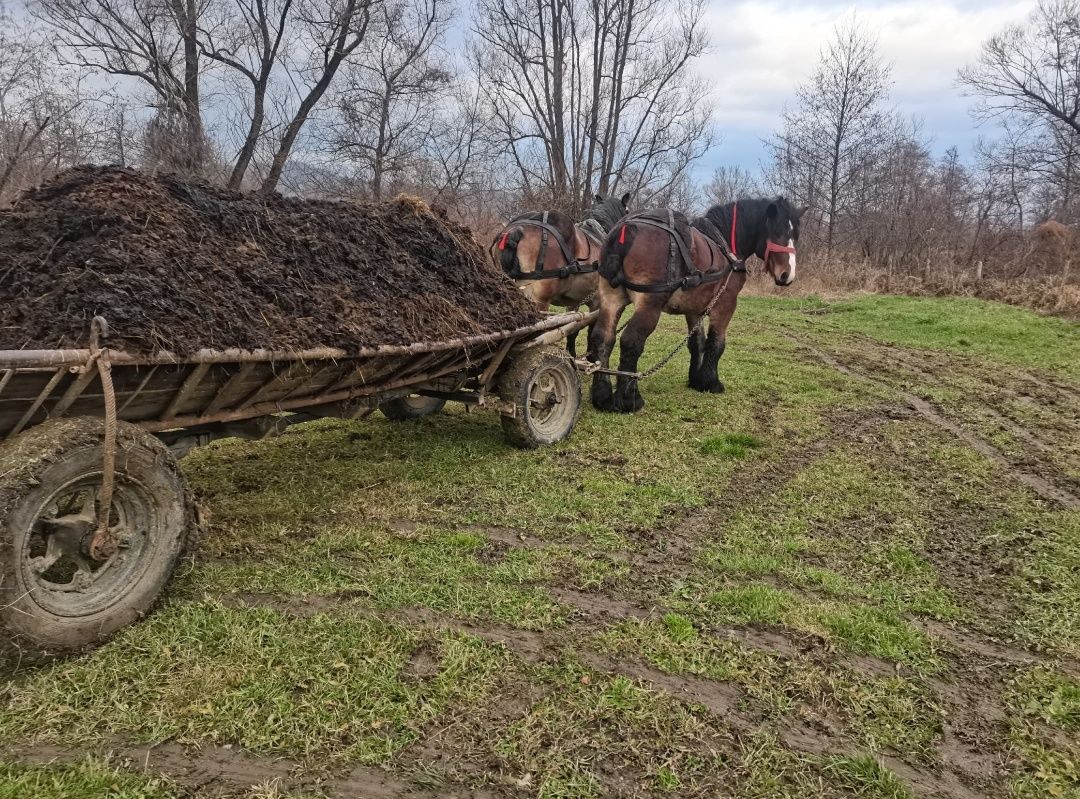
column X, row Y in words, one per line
column 663, row 264
column 564, row 274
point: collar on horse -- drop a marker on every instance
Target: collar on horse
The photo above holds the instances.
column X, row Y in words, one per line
column 574, row 265
column 678, row 246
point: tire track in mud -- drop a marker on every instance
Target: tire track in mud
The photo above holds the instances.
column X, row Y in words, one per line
column 1008, row 424
column 221, row 770
column 1040, row 485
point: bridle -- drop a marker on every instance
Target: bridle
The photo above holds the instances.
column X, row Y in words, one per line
column 770, row 246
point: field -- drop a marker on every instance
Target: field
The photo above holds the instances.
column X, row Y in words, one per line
column 857, row 573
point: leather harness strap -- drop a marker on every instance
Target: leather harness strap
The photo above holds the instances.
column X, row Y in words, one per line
column 575, row 266
column 695, row 276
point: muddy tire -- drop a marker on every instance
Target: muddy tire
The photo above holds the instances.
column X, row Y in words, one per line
column 543, row 384
column 414, row 406
column 54, row 598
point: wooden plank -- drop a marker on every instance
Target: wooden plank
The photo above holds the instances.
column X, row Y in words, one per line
column 278, row 381
column 186, row 390
column 8, row 374
column 45, row 392
column 75, row 390
column 228, row 393
column 138, row 390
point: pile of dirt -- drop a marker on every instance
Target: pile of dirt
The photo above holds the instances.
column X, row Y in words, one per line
column 180, row 266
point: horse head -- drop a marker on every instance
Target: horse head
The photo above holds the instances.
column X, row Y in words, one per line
column 781, row 236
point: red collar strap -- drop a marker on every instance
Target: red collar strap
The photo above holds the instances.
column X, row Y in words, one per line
column 734, row 217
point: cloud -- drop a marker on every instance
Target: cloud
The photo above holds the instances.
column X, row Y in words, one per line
column 763, row 50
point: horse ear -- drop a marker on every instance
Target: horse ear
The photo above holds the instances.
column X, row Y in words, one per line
column 598, row 197
column 772, row 211
column 625, row 200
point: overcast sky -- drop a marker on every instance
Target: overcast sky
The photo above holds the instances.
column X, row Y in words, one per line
column 763, row 48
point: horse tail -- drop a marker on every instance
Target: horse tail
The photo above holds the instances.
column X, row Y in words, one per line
column 616, row 247
column 507, row 245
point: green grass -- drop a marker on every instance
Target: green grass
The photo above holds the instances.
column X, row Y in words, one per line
column 866, row 776
column 81, row 780
column 203, row 674
column 959, row 325
column 730, row 445
column 787, row 541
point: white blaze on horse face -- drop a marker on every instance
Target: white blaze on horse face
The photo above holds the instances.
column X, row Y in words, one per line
column 791, row 255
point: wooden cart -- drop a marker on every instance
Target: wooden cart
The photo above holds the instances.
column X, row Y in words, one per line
column 94, row 512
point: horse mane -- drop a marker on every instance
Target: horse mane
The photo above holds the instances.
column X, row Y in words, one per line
column 720, row 215
column 607, row 212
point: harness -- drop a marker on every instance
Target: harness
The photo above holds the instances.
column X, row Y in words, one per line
column 770, row 247
column 575, row 266
column 677, row 246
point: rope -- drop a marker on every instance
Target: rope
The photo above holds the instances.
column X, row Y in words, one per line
column 103, row 545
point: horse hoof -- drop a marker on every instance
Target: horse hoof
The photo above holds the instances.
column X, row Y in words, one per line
column 631, row 404
column 715, row 388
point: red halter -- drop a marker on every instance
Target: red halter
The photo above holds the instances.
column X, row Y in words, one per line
column 770, row 247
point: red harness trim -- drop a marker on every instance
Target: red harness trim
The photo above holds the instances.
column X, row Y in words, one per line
column 734, row 217
column 502, row 241
column 622, row 235
column 770, row 247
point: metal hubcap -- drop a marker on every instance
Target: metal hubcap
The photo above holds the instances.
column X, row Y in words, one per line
column 57, row 567
column 549, row 409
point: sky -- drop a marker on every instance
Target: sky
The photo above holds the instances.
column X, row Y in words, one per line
column 764, row 48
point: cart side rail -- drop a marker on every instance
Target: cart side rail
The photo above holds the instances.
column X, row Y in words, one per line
column 21, row 359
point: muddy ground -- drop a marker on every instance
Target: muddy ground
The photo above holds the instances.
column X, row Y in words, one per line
column 869, row 592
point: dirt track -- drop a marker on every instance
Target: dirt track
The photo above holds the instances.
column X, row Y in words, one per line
column 180, row 266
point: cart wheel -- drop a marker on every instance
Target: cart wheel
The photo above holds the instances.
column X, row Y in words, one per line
column 413, row 406
column 543, row 384
column 54, row 597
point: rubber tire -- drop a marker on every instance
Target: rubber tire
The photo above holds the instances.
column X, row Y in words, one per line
column 515, row 386
column 415, row 406
column 38, row 462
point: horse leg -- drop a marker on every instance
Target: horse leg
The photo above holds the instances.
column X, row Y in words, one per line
column 646, row 316
column 601, row 341
column 571, row 344
column 715, row 343
column 696, row 344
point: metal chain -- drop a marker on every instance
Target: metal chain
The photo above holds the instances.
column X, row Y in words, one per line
column 693, row 332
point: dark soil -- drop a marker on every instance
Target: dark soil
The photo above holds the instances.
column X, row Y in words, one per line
column 180, row 266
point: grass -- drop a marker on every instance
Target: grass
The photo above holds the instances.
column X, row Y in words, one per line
column 86, row 778
column 786, row 545
column 201, row 673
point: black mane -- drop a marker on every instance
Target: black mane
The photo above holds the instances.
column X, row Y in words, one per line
column 607, row 212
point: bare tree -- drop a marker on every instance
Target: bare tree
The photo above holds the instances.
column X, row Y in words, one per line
column 388, row 105
column 246, row 36
column 730, row 183
column 329, row 32
column 150, row 41
column 827, row 141
column 593, row 94
column 47, row 118
column 1033, row 70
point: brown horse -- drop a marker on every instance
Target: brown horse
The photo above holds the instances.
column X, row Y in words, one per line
column 662, row 264
column 555, row 261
